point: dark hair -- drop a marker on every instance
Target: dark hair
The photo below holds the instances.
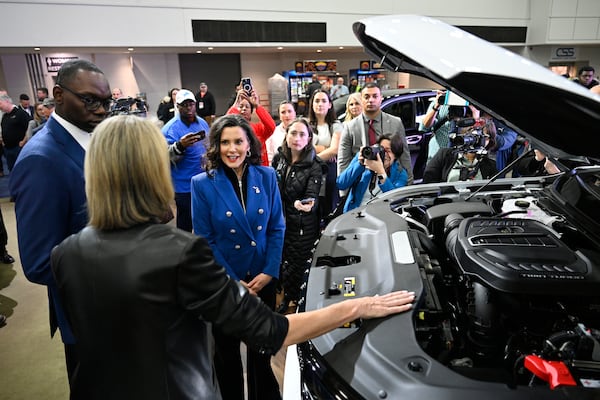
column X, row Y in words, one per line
column 287, row 152
column 23, row 96
column 284, row 102
column 396, row 143
column 171, row 92
column 329, row 118
column 586, row 68
column 69, row 70
column 370, row 85
column 490, row 129
column 212, row 159
column 43, row 89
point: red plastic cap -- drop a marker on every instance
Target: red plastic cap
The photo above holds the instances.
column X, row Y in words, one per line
column 555, row 373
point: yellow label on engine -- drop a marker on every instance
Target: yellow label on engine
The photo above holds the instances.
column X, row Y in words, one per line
column 349, row 286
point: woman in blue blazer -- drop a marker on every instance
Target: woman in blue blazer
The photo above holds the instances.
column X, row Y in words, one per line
column 366, row 178
column 236, row 206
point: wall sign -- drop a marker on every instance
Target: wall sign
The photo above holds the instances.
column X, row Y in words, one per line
column 320, row 65
column 563, row 53
column 53, row 64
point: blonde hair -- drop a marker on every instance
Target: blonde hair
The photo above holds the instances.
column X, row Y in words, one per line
column 127, row 173
column 353, row 96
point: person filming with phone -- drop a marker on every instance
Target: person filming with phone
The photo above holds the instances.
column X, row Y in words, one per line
column 185, row 134
column 245, row 104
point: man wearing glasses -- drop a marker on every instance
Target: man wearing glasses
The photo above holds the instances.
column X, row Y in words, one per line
column 47, row 181
column 185, row 134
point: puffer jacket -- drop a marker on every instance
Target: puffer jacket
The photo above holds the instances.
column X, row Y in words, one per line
column 298, row 181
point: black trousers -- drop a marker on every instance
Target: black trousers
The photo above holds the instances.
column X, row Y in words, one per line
column 3, row 234
column 183, row 201
column 262, row 384
column 72, row 360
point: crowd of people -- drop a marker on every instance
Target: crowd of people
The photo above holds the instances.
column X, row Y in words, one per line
column 93, row 198
column 251, row 198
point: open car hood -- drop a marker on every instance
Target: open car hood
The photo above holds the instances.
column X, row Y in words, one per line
column 560, row 117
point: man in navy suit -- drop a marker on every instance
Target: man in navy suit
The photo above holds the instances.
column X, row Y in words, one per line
column 47, row 181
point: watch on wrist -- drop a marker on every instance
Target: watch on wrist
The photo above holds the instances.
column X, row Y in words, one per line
column 381, row 178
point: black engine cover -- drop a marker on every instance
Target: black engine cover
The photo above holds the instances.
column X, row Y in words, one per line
column 520, row 256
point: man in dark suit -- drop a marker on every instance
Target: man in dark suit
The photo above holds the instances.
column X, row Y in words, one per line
column 47, row 181
column 365, row 129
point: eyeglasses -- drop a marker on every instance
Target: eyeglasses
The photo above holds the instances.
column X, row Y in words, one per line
column 91, row 103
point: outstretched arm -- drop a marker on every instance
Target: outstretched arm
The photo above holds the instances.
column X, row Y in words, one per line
column 307, row 325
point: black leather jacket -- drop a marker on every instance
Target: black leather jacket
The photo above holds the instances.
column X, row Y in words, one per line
column 139, row 301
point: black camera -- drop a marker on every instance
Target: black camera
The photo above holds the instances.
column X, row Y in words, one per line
column 247, row 85
column 473, row 138
column 129, row 105
column 370, row 152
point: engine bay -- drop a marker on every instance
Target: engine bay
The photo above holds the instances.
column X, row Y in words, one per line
column 511, row 290
column 507, row 290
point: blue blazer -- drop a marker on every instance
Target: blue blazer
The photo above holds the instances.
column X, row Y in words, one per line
column 398, row 178
column 48, row 186
column 243, row 243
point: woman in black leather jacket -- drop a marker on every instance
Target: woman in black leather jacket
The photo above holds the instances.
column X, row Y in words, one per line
column 139, row 294
column 299, row 175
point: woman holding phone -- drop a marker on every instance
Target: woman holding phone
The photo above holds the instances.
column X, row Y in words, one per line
column 299, row 175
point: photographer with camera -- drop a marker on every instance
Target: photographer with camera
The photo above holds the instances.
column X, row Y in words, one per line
column 470, row 140
column 439, row 118
column 373, row 170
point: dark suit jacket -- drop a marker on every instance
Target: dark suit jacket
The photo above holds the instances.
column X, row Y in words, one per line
column 48, row 186
column 139, row 300
column 354, row 136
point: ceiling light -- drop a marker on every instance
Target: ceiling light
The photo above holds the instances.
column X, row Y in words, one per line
column 211, row 48
column 36, row 49
column 280, row 48
column 341, row 47
column 130, row 49
column 198, row 51
column 319, row 51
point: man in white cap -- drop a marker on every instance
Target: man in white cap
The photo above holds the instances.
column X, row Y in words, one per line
column 186, row 144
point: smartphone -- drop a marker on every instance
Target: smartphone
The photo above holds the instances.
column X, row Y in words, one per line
column 200, row 135
column 453, row 99
column 247, row 85
column 307, row 200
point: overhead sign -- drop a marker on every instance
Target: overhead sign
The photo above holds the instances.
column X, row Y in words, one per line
column 320, row 65
column 563, row 53
column 53, row 64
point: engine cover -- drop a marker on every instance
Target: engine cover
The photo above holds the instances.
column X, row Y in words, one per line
column 520, row 256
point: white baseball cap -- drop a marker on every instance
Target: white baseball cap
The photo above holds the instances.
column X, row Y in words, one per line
column 184, row 95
